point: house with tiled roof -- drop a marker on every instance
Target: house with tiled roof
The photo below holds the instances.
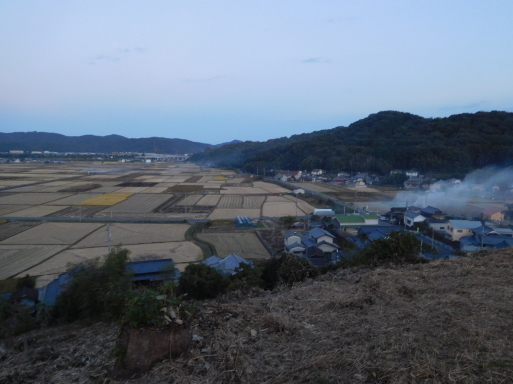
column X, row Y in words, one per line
column 456, row 229
column 351, row 222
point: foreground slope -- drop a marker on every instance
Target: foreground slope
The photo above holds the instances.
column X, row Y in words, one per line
column 442, row 322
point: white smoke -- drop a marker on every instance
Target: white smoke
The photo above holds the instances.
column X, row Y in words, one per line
column 468, row 196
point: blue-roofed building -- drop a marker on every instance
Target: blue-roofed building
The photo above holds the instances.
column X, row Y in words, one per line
column 212, row 261
column 151, row 270
column 243, row 222
column 231, row 264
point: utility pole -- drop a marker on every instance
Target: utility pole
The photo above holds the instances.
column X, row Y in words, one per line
column 109, row 236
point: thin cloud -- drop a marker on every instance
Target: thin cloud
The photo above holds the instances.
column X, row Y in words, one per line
column 471, row 106
column 205, row 79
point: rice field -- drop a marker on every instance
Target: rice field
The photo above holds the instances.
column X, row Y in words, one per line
column 280, row 209
column 230, row 202
column 53, row 233
column 35, row 211
column 220, row 214
column 15, row 259
column 246, row 245
column 32, row 198
column 209, row 200
column 242, row 191
column 190, row 200
column 252, row 201
column 128, row 233
column 220, row 178
column 107, row 199
column 141, row 203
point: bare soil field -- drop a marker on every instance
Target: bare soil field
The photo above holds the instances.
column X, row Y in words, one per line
column 15, row 259
column 75, row 199
column 140, row 203
column 185, row 188
column 223, row 213
column 277, row 199
column 209, row 200
column 172, row 200
column 242, row 191
column 136, row 184
column 36, row 211
column 106, row 189
column 303, row 205
column 12, row 228
column 80, row 187
column 280, row 209
column 132, row 190
column 252, row 201
column 6, row 209
column 180, row 252
column 193, row 179
column 246, row 245
column 32, row 198
column 78, row 211
column 53, row 233
column 230, row 202
column 155, row 190
column 127, row 234
column 190, row 200
column 313, row 187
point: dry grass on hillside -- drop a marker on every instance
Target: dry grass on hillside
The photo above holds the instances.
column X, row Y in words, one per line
column 442, row 322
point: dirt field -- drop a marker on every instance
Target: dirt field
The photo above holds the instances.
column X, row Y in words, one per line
column 232, row 213
column 209, row 200
column 107, row 199
column 269, row 187
column 190, row 200
column 6, row 209
column 32, row 198
column 245, row 245
column 75, row 199
column 37, row 211
column 303, row 205
column 280, row 209
column 12, row 228
column 230, row 202
column 53, row 233
column 252, row 201
column 15, row 259
column 313, row 187
column 127, row 234
column 242, row 191
column 141, row 203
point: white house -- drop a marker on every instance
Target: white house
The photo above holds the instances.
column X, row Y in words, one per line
column 456, row 229
column 410, row 218
column 317, row 172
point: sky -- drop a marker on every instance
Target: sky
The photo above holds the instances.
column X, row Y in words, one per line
column 216, row 71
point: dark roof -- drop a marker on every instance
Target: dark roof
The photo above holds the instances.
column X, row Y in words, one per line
column 318, row 232
column 25, row 294
column 150, row 269
column 431, row 211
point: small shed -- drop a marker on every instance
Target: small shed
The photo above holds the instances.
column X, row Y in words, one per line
column 243, row 222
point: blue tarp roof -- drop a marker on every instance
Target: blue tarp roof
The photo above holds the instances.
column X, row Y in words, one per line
column 212, row 261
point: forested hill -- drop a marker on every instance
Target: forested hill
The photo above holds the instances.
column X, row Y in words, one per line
column 42, row 141
column 381, row 142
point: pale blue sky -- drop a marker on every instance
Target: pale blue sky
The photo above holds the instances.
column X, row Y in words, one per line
column 214, row 71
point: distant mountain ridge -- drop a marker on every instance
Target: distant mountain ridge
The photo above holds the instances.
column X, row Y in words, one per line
column 381, row 142
column 43, row 141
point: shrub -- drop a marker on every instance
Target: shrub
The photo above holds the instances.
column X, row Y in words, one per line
column 246, row 277
column 26, row 281
column 294, row 269
column 398, row 247
column 199, row 281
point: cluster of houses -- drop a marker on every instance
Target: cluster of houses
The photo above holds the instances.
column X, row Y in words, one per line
column 318, row 175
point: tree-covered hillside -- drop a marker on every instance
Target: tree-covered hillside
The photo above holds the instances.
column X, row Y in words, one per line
column 381, row 142
column 42, row 141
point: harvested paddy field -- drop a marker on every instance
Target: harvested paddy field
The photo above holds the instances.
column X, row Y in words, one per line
column 220, row 213
column 12, row 228
column 209, row 200
column 15, row 259
column 127, row 234
column 246, row 245
column 269, row 187
column 75, row 199
column 107, row 199
column 277, row 199
column 37, row 211
column 132, row 190
column 303, row 205
column 6, row 209
column 141, row 203
column 316, row 187
column 230, row 202
column 220, row 178
column 105, row 189
column 193, row 179
column 137, row 184
column 190, row 200
column 280, row 209
column 180, row 252
column 242, row 191
column 254, row 202
column 155, row 190
column 32, row 198
column 80, row 187
column 78, row 211
column 185, row 188
column 53, row 233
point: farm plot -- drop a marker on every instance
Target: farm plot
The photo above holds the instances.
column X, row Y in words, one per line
column 190, row 200
column 14, row 227
column 219, row 214
column 75, row 199
column 313, row 187
column 230, row 202
column 207, row 209
column 32, row 198
column 6, row 209
column 269, row 187
column 246, row 245
column 36, row 211
column 18, row 258
column 280, row 209
column 303, row 205
column 193, row 179
column 204, row 179
column 107, row 199
column 242, row 191
column 80, row 187
column 132, row 189
column 155, row 190
column 142, row 203
column 252, row 201
column 53, row 234
column 220, row 178
column 171, row 201
column 209, row 200
column 277, row 199
column 237, row 180
column 136, row 184
column 104, row 190
column 180, row 188
column 180, row 252
column 135, row 234
column 78, row 211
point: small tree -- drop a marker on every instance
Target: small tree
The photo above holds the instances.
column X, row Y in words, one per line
column 200, row 281
column 294, row 269
column 398, row 247
column 26, row 281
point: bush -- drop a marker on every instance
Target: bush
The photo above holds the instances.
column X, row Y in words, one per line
column 294, row 269
column 26, row 281
column 199, row 281
column 398, row 247
column 246, row 277
column 96, row 291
